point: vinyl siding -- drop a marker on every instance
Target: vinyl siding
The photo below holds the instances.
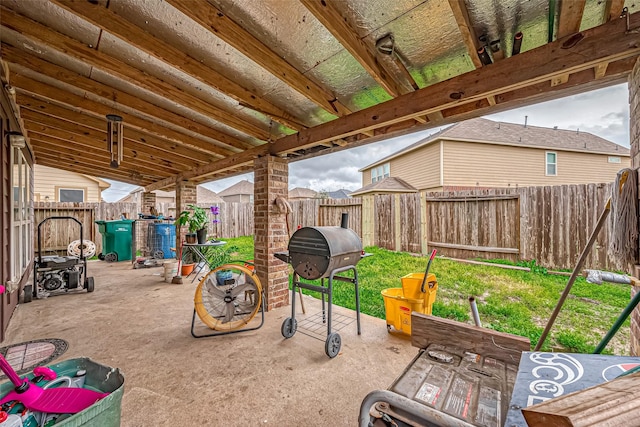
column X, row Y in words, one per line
column 488, row 165
column 48, row 180
column 419, row 168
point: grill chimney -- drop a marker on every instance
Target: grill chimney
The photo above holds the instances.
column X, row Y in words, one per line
column 525, row 121
column 344, row 221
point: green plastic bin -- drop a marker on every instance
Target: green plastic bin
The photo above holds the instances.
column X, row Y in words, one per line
column 104, row 413
column 116, row 239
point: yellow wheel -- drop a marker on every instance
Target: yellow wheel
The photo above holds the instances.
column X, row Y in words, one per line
column 228, row 297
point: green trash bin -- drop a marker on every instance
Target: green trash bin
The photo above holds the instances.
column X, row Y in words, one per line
column 104, row 413
column 116, row 239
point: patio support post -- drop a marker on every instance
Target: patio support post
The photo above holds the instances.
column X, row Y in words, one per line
column 185, row 195
column 148, row 202
column 634, row 139
column 271, row 176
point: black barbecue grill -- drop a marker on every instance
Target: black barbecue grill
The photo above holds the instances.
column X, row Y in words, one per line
column 320, row 253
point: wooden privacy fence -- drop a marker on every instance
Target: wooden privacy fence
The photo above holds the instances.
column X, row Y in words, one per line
column 548, row 224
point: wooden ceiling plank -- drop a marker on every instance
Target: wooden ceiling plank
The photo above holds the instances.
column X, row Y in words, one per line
column 181, row 154
column 461, row 14
column 101, row 110
column 600, row 70
column 123, row 71
column 95, row 158
column 80, row 143
column 570, row 17
column 223, row 27
column 119, row 26
column 326, row 12
column 61, row 161
column 236, row 160
column 612, row 9
column 64, row 75
column 608, row 42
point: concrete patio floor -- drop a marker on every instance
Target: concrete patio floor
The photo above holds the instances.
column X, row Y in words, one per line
column 138, row 323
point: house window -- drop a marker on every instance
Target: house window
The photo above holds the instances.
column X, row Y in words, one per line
column 380, row 172
column 614, row 159
column 70, row 195
column 21, row 215
column 552, row 164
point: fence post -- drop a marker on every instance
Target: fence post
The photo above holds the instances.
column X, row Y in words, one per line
column 397, row 229
column 424, row 223
column 367, row 221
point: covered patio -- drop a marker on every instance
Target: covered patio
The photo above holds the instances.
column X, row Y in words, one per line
column 137, row 322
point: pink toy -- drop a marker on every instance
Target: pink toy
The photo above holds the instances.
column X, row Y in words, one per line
column 61, row 400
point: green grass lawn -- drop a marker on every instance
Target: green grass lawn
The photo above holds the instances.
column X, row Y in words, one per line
column 511, row 301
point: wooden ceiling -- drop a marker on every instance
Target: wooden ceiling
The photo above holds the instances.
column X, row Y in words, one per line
column 204, row 88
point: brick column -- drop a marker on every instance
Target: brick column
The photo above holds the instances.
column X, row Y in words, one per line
column 186, row 193
column 271, row 176
column 148, row 202
column 634, row 139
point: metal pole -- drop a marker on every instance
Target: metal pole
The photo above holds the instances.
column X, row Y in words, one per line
column 574, row 274
column 621, row 319
column 474, row 311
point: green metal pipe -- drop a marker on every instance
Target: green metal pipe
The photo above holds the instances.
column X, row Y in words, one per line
column 621, row 319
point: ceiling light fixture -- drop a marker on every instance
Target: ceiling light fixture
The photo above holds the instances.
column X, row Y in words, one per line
column 114, row 139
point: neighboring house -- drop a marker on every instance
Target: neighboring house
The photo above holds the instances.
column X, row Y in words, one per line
column 481, row 153
column 57, row 185
column 339, row 194
column 300, row 193
column 239, row 192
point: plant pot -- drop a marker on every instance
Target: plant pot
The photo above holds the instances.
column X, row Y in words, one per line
column 186, row 269
column 202, row 236
column 191, row 238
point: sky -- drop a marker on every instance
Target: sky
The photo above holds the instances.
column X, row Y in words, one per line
column 603, row 112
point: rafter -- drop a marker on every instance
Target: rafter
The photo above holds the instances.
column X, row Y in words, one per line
column 101, row 110
column 100, row 15
column 606, row 43
column 570, row 17
column 612, row 9
column 71, row 117
column 76, row 49
column 97, row 158
column 223, row 27
column 49, row 130
column 461, row 14
column 326, row 12
column 19, row 57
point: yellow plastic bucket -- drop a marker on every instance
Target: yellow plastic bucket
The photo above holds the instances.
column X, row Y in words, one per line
column 412, row 283
column 398, row 309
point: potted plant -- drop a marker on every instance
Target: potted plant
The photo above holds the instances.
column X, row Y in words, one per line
column 195, row 218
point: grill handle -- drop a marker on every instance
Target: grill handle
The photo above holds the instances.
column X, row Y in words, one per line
column 283, row 256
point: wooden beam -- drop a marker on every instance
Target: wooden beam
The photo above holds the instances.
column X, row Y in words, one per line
column 62, row 161
column 81, row 145
column 426, row 330
column 222, row 26
column 97, row 158
column 227, row 143
column 570, row 17
column 78, row 120
column 606, row 43
column 78, row 50
column 610, row 404
column 230, row 162
column 559, row 80
column 469, row 37
column 343, row 30
column 100, row 15
column 612, row 9
column 101, row 110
